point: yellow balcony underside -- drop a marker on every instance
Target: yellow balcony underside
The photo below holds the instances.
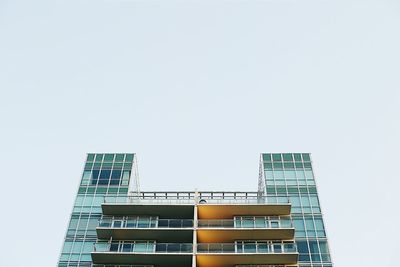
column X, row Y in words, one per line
column 232, row 259
column 230, row 235
column 228, row 211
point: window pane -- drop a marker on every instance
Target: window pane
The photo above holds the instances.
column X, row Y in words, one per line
column 287, row 157
column 115, row 177
column 267, row 157
column 260, row 222
column 298, row 224
column 314, row 201
column 323, row 247
column 295, row 200
column 297, row 157
column 67, row 247
column 99, row 157
column 129, row 157
column 140, row 247
column 108, row 157
column 95, row 176
column 105, row 175
column 77, row 247
column 119, row 157
column 300, row 175
column 82, row 224
column 127, row 247
column 276, row 157
column 302, row 246
column 87, row 247
column 114, row 247
column 305, row 201
column 313, row 247
column 309, row 224
column 306, row 157
column 247, row 223
column 279, row 175
column 290, row 175
column 309, row 175
column 249, row 247
column 318, row 224
column 73, row 223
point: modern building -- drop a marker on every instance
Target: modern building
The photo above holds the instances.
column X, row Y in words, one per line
column 114, row 224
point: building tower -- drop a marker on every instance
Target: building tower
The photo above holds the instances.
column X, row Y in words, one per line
column 290, row 176
column 110, row 227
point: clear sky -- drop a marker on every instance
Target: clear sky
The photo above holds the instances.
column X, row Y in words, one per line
column 198, row 89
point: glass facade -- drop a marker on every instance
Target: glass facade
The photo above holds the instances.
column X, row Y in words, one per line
column 103, row 174
column 286, row 181
column 290, row 176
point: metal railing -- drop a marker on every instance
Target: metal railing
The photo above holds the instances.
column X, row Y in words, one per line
column 237, row 248
column 247, row 247
column 146, row 200
column 281, row 222
column 115, row 199
column 142, row 222
column 244, row 200
column 143, row 247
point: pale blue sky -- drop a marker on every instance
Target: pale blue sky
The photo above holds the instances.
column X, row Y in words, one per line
column 198, row 89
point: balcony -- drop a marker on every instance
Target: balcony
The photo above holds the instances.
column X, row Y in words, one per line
column 226, row 206
column 245, row 228
column 143, row 253
column 246, row 253
column 211, row 205
column 145, row 228
column 180, row 208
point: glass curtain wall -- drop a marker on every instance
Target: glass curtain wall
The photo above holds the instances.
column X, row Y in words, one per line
column 290, row 175
column 103, row 174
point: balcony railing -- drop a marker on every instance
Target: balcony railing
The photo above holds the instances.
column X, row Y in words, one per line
column 280, row 222
column 247, row 247
column 143, row 247
column 146, row 200
column 143, row 222
column 217, row 199
column 243, row 200
column 237, row 248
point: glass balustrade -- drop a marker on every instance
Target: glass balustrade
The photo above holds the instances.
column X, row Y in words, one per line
column 248, row 222
column 244, row 247
column 247, row 247
column 143, row 222
column 143, row 247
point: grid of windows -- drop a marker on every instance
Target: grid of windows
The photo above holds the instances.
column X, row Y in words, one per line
column 104, row 174
column 290, row 175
